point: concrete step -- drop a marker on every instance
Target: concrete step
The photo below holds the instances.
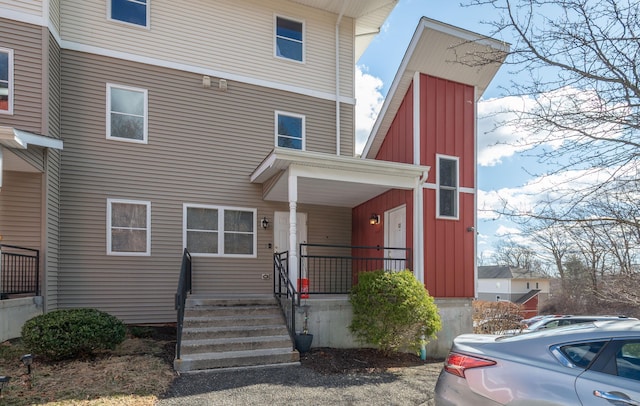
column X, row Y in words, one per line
column 235, row 344
column 237, row 320
column 235, row 310
column 231, row 331
column 234, row 359
column 203, row 333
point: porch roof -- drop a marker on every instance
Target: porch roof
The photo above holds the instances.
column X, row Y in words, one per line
column 332, row 180
column 14, row 138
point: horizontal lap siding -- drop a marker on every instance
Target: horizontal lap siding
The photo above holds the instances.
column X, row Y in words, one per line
column 52, row 159
column 203, row 146
column 447, row 127
column 26, row 42
column 20, row 209
column 210, row 35
column 33, row 7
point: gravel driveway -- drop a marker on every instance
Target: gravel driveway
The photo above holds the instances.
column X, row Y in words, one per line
column 294, row 384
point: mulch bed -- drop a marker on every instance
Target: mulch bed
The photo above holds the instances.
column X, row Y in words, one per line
column 357, row 360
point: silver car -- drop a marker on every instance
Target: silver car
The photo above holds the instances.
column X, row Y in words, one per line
column 591, row 364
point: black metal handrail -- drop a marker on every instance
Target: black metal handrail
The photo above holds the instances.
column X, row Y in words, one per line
column 284, row 290
column 184, row 288
column 20, row 271
column 334, row 269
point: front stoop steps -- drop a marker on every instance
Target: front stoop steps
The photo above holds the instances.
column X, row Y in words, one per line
column 231, row 332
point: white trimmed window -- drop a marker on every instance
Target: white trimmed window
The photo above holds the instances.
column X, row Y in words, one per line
column 447, row 199
column 127, row 113
column 134, row 12
column 290, row 130
column 219, row 231
column 6, row 81
column 128, row 227
column 289, row 39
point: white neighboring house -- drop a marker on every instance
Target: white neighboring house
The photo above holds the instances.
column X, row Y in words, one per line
column 527, row 288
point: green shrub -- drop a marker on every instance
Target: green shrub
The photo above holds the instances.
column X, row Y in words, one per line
column 393, row 311
column 72, row 333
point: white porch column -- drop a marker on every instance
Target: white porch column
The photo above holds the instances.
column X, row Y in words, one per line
column 293, row 228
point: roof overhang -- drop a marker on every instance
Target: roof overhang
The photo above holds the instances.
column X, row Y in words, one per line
column 369, row 15
column 14, row 138
column 332, row 180
column 444, row 51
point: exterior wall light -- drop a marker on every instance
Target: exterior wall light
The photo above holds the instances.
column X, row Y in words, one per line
column 265, row 223
column 374, row 219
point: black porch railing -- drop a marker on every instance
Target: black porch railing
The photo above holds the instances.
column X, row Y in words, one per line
column 19, row 271
column 184, row 288
column 284, row 290
column 334, row 269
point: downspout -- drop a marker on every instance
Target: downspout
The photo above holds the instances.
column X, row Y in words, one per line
column 338, row 21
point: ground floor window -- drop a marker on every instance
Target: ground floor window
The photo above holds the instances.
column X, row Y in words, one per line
column 219, row 231
column 128, row 227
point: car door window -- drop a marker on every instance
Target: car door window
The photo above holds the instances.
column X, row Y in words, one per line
column 628, row 361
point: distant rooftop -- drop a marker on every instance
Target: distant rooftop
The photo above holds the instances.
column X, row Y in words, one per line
column 507, row 272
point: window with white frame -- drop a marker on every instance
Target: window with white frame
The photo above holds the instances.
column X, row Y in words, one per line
column 290, row 130
column 447, row 199
column 130, row 11
column 219, row 231
column 6, row 81
column 128, row 227
column 289, row 39
column 127, row 113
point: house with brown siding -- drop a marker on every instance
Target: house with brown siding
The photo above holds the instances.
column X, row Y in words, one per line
column 190, row 138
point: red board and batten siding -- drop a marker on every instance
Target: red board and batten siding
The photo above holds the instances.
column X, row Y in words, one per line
column 447, row 127
column 398, row 143
column 367, row 235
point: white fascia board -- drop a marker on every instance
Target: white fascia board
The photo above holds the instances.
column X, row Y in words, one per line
column 24, row 17
column 74, row 46
column 15, row 138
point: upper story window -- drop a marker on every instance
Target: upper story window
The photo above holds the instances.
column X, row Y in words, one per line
column 290, row 130
column 126, row 113
column 289, row 41
column 219, row 231
column 6, row 81
column 130, row 11
column 447, row 200
column 128, row 227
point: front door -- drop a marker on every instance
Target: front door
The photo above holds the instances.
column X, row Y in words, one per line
column 395, row 236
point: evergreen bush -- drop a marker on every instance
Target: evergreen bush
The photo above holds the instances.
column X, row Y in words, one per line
column 393, row 311
column 72, row 333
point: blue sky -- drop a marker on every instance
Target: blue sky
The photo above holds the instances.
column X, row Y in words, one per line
column 500, row 171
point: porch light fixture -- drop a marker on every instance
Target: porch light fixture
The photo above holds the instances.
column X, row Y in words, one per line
column 374, row 219
column 265, row 223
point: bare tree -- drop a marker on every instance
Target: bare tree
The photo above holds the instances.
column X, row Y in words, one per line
column 578, row 63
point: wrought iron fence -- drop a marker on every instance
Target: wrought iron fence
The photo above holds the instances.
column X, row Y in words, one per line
column 19, row 271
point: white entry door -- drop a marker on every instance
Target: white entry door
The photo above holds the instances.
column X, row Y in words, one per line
column 395, row 236
column 281, row 234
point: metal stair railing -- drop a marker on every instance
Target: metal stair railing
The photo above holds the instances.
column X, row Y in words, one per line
column 184, row 288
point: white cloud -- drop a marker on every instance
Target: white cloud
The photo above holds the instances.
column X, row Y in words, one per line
column 369, row 101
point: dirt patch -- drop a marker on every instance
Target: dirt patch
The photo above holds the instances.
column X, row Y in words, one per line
column 357, row 360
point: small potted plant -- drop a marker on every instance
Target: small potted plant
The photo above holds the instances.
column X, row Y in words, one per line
column 303, row 340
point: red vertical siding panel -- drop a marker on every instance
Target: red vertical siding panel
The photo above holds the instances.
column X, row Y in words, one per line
column 447, row 127
column 398, row 142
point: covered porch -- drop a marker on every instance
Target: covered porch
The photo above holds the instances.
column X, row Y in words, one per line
column 28, row 175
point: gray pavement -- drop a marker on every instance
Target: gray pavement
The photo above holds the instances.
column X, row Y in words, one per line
column 295, row 384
